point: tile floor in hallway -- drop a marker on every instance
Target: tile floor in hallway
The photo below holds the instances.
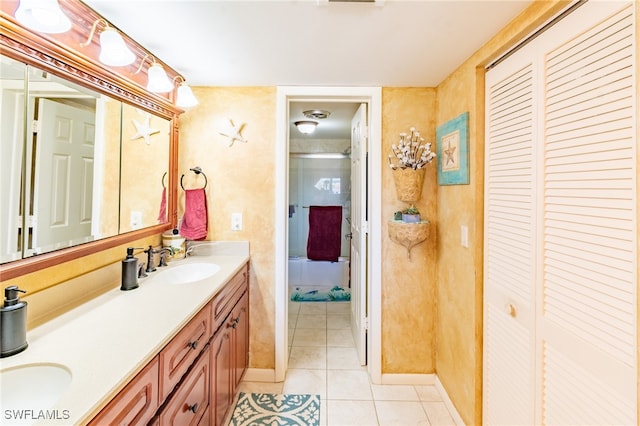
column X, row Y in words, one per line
column 323, row 360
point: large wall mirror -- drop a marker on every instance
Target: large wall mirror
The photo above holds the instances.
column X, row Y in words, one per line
column 88, row 154
column 77, row 165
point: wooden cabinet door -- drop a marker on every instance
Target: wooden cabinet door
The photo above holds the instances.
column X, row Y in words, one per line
column 240, row 320
column 221, row 374
column 189, row 403
column 136, row 403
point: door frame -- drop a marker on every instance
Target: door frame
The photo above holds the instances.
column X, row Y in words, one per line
column 373, row 97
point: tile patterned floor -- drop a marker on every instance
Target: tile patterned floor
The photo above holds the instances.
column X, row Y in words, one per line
column 323, row 360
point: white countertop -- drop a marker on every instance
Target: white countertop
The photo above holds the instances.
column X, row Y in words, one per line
column 107, row 341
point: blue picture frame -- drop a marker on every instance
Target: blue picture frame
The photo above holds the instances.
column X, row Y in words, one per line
column 452, row 139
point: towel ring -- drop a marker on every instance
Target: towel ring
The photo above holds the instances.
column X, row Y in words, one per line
column 197, row 170
column 164, row 176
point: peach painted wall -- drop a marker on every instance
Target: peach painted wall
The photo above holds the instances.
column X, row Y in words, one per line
column 241, row 179
column 408, row 285
column 460, row 270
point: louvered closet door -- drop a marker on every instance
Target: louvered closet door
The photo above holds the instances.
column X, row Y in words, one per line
column 587, row 318
column 560, row 327
column 509, row 315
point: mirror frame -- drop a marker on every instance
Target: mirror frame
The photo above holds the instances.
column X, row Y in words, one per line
column 61, row 54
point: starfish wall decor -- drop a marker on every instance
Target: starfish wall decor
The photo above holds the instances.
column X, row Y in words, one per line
column 234, row 133
column 144, row 130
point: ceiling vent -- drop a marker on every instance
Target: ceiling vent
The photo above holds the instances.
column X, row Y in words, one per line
column 317, row 114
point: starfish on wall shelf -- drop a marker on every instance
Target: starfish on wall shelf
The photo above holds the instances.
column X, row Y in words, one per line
column 144, row 130
column 234, row 133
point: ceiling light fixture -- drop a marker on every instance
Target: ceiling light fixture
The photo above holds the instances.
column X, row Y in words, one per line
column 306, row 127
column 44, row 16
column 113, row 49
column 157, row 82
column 185, row 97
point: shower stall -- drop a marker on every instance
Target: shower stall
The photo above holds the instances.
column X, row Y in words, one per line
column 318, row 179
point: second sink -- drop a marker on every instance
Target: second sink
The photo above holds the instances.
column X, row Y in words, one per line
column 33, row 386
column 188, row 272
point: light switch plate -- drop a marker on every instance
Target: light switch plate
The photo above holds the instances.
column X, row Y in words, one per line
column 464, row 236
column 136, row 219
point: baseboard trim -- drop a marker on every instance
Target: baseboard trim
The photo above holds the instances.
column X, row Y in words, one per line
column 260, row 375
column 448, row 403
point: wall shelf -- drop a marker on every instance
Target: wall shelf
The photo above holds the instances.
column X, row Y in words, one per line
column 408, row 234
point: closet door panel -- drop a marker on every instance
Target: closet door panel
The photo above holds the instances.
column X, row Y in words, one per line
column 561, row 235
column 587, row 318
column 509, row 336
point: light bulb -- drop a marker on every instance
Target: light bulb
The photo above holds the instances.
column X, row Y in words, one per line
column 185, row 98
column 113, row 50
column 44, row 16
column 158, row 80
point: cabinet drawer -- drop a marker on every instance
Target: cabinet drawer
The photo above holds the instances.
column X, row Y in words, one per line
column 181, row 352
column 189, row 404
column 228, row 296
column 136, row 403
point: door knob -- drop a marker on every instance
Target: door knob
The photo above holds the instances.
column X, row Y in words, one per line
column 510, row 309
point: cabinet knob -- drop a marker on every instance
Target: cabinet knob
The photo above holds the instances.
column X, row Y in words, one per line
column 510, row 309
column 234, row 323
column 193, row 345
column 193, row 408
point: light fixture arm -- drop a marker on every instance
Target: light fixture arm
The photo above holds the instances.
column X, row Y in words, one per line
column 93, row 31
column 146, row 55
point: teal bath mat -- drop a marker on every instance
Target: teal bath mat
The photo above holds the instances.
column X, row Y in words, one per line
column 320, row 294
column 276, row 409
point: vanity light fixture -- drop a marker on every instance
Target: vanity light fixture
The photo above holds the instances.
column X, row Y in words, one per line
column 44, row 16
column 306, row 127
column 185, row 97
column 157, row 82
column 113, row 49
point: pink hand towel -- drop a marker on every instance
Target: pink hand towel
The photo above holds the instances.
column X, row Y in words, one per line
column 162, row 214
column 194, row 221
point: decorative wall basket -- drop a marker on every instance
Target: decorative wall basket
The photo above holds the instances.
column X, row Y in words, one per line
column 408, row 235
column 408, row 184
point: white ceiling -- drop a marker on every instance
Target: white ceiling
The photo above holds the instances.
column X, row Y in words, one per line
column 401, row 43
column 392, row 43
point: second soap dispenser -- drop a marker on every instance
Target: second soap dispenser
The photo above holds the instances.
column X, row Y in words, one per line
column 13, row 323
column 129, row 271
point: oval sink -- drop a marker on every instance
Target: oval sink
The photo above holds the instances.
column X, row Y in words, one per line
column 33, row 386
column 189, row 272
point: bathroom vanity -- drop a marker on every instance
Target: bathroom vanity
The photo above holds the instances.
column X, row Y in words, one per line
column 172, row 351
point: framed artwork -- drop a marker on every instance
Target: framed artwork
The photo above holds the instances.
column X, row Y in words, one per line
column 452, row 139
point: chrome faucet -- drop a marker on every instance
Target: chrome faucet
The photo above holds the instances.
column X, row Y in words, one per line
column 163, row 252
column 150, row 264
column 190, row 249
column 150, row 260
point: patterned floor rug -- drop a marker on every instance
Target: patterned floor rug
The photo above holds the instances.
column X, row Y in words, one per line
column 276, row 410
column 320, row 294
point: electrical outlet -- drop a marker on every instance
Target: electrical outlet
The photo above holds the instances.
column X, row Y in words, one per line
column 464, row 236
column 236, row 221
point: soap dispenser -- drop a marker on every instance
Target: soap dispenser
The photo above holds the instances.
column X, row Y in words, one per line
column 129, row 271
column 13, row 323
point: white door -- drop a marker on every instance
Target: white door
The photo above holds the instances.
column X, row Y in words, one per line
column 359, row 137
column 64, row 174
column 561, row 234
column 510, row 252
